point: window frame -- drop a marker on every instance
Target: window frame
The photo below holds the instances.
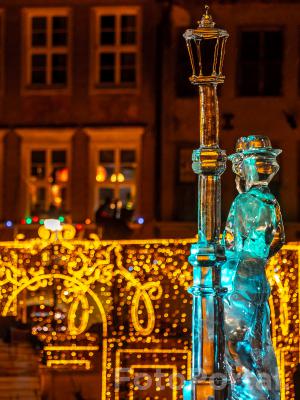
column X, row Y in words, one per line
column 260, row 29
column 27, row 50
column 3, row 133
column 95, row 49
column 43, row 139
column 116, row 186
column 123, row 138
column 298, row 63
column 2, row 50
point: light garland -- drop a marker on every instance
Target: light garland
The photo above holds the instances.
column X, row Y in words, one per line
column 134, row 292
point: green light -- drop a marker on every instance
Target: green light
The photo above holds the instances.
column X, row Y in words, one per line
column 61, row 218
column 28, row 220
column 41, row 221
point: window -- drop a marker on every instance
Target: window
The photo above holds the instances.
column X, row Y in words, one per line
column 1, row 50
column 186, row 186
column 47, row 48
column 116, row 40
column 48, row 182
column 260, row 67
column 115, row 154
column 299, row 61
column 116, row 177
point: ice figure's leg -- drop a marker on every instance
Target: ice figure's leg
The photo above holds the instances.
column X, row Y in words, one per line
column 249, row 387
column 244, row 366
column 269, row 362
column 259, row 355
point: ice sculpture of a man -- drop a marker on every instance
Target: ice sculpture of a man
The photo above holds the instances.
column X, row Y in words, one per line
column 254, row 232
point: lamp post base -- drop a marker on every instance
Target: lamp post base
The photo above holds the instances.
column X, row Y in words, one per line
column 198, row 390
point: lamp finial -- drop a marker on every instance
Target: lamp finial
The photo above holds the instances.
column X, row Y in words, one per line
column 206, row 20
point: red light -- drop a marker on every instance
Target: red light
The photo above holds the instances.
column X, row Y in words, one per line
column 23, row 222
column 35, row 219
column 78, row 227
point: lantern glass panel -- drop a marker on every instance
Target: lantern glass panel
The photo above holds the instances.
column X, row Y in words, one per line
column 207, row 56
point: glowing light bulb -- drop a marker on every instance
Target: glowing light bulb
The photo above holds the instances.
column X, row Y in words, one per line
column 53, row 225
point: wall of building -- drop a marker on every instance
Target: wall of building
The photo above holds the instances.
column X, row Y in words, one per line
column 251, row 115
column 77, row 109
column 166, row 186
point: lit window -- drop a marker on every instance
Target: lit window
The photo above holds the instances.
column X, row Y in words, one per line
column 47, row 53
column 116, row 177
column 260, row 67
column 116, row 54
column 48, row 182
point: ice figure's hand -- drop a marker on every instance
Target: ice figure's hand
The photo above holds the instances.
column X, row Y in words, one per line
column 240, row 184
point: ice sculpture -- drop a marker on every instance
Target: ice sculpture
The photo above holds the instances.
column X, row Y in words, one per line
column 254, row 232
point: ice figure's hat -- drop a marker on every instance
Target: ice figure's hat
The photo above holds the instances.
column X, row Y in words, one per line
column 254, row 145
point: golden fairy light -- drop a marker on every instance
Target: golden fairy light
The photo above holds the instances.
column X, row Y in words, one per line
column 134, row 293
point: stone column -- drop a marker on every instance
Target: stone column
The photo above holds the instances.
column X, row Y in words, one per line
column 80, row 190
column 13, row 204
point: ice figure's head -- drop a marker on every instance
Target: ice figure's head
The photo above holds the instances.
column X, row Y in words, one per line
column 255, row 160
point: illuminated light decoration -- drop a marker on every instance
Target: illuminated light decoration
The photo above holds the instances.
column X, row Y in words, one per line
column 120, row 177
column 28, row 220
column 53, row 225
column 140, row 220
column 88, row 221
column 100, row 272
column 129, row 205
column 113, row 178
column 57, row 201
column 61, row 218
column 101, row 174
column 41, row 221
column 117, row 178
column 86, row 363
column 67, row 232
column 23, row 221
column 169, row 354
column 79, row 227
column 80, row 299
column 160, row 367
column 20, row 236
column 64, row 356
column 56, row 195
column 62, row 175
column 9, row 224
column 55, row 190
column 77, row 348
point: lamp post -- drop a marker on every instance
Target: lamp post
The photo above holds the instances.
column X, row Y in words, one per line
column 206, row 48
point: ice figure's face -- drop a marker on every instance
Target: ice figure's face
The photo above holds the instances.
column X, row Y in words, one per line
column 253, row 169
column 259, row 169
column 237, row 166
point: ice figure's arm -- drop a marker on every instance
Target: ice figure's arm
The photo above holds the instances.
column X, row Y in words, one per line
column 234, row 229
column 279, row 236
column 228, row 234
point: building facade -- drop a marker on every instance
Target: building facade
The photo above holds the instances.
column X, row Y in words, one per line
column 77, row 108
column 95, row 105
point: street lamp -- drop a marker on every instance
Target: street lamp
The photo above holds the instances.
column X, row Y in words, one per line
column 206, row 48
